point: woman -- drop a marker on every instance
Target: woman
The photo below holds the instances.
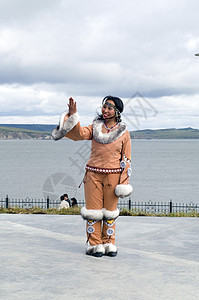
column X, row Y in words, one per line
column 107, row 171
column 64, row 203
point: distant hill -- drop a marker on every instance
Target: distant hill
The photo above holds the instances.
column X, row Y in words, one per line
column 37, row 127
column 170, row 133
column 40, row 131
column 12, row 133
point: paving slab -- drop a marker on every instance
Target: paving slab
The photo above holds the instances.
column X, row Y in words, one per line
column 43, row 257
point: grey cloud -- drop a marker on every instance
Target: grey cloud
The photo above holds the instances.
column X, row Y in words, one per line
column 90, row 36
column 20, row 11
column 87, row 48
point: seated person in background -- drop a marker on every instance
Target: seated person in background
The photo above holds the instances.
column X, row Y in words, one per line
column 64, row 203
column 67, row 199
column 74, row 202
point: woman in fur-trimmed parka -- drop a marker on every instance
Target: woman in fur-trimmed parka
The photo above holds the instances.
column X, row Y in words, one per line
column 107, row 171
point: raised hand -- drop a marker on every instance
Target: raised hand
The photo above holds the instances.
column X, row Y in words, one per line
column 72, row 106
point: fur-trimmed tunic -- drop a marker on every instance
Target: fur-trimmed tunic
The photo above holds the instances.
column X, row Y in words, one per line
column 109, row 150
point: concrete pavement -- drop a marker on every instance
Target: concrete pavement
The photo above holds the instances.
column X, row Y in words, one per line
column 43, row 257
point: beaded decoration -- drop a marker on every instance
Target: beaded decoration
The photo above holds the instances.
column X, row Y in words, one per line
column 103, row 170
column 109, row 129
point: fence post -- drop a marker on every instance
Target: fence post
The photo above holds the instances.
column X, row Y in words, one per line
column 129, row 203
column 48, row 202
column 170, row 207
column 7, row 199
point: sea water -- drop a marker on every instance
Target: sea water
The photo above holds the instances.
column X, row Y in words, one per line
column 161, row 169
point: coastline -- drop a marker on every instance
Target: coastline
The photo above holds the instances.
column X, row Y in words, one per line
column 14, row 133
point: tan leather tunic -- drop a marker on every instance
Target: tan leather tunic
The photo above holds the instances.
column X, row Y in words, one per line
column 108, row 149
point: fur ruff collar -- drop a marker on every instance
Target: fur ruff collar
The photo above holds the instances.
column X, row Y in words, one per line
column 107, row 138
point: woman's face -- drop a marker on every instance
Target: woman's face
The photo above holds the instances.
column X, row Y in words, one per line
column 107, row 110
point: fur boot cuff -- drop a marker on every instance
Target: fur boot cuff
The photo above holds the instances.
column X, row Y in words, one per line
column 96, row 250
column 92, row 214
column 123, row 190
column 110, row 248
column 64, row 127
column 109, row 215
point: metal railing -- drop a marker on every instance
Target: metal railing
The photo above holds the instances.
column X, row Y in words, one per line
column 147, row 207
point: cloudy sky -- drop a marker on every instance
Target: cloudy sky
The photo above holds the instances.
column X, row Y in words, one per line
column 142, row 51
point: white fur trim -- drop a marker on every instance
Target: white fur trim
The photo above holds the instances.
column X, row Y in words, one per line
column 58, row 134
column 92, row 214
column 108, row 214
column 109, row 247
column 61, row 120
column 64, row 127
column 107, row 138
column 71, row 122
column 95, row 248
column 123, row 190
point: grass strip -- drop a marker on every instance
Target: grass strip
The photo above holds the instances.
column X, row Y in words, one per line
column 76, row 211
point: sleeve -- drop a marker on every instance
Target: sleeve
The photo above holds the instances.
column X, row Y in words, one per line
column 69, row 126
column 124, row 189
